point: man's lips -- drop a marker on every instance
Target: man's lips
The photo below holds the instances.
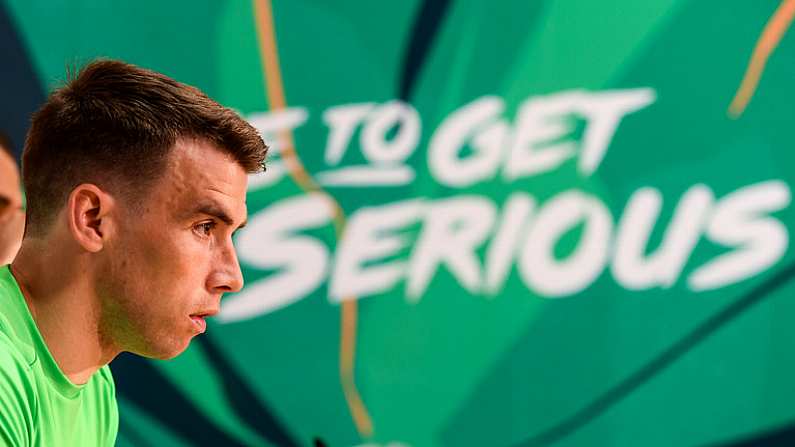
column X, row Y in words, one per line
column 199, row 322
column 198, row 319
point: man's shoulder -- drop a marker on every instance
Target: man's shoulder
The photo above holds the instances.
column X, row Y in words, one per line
column 16, row 374
column 18, row 402
column 14, row 333
column 13, row 356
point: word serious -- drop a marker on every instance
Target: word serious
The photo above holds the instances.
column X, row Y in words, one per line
column 557, row 245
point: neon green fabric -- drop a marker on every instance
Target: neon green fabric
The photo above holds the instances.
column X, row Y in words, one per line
column 39, row 406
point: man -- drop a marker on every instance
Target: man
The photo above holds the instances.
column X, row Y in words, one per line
column 12, row 216
column 135, row 184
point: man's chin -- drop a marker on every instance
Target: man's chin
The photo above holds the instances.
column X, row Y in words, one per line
column 164, row 352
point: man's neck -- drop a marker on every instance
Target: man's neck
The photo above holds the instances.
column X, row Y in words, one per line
column 65, row 309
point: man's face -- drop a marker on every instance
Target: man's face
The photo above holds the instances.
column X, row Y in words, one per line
column 168, row 264
column 12, row 218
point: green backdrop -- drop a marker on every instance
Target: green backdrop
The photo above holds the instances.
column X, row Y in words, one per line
column 513, row 223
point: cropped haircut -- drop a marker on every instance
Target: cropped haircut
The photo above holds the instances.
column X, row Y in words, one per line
column 114, row 124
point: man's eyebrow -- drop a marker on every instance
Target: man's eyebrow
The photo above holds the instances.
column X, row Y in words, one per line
column 214, row 210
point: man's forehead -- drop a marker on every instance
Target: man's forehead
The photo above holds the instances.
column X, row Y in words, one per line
column 199, row 173
column 201, row 158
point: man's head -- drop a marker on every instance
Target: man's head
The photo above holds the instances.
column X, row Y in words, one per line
column 142, row 181
column 12, row 218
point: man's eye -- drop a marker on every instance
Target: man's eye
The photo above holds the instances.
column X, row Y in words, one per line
column 205, row 228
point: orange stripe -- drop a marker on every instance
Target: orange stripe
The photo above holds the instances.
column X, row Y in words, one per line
column 269, row 55
column 347, row 362
column 768, row 41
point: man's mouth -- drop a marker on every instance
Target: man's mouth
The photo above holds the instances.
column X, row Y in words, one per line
column 199, row 318
column 198, row 321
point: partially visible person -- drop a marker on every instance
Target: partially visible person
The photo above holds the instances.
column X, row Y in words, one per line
column 12, row 216
column 134, row 185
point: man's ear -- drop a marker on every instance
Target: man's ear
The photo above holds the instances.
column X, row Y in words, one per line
column 87, row 211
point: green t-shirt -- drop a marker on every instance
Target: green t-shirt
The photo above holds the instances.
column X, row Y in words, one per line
column 39, row 406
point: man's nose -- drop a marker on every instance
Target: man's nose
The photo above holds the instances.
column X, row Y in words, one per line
column 227, row 276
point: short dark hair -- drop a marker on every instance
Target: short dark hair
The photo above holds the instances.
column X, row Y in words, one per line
column 114, row 124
